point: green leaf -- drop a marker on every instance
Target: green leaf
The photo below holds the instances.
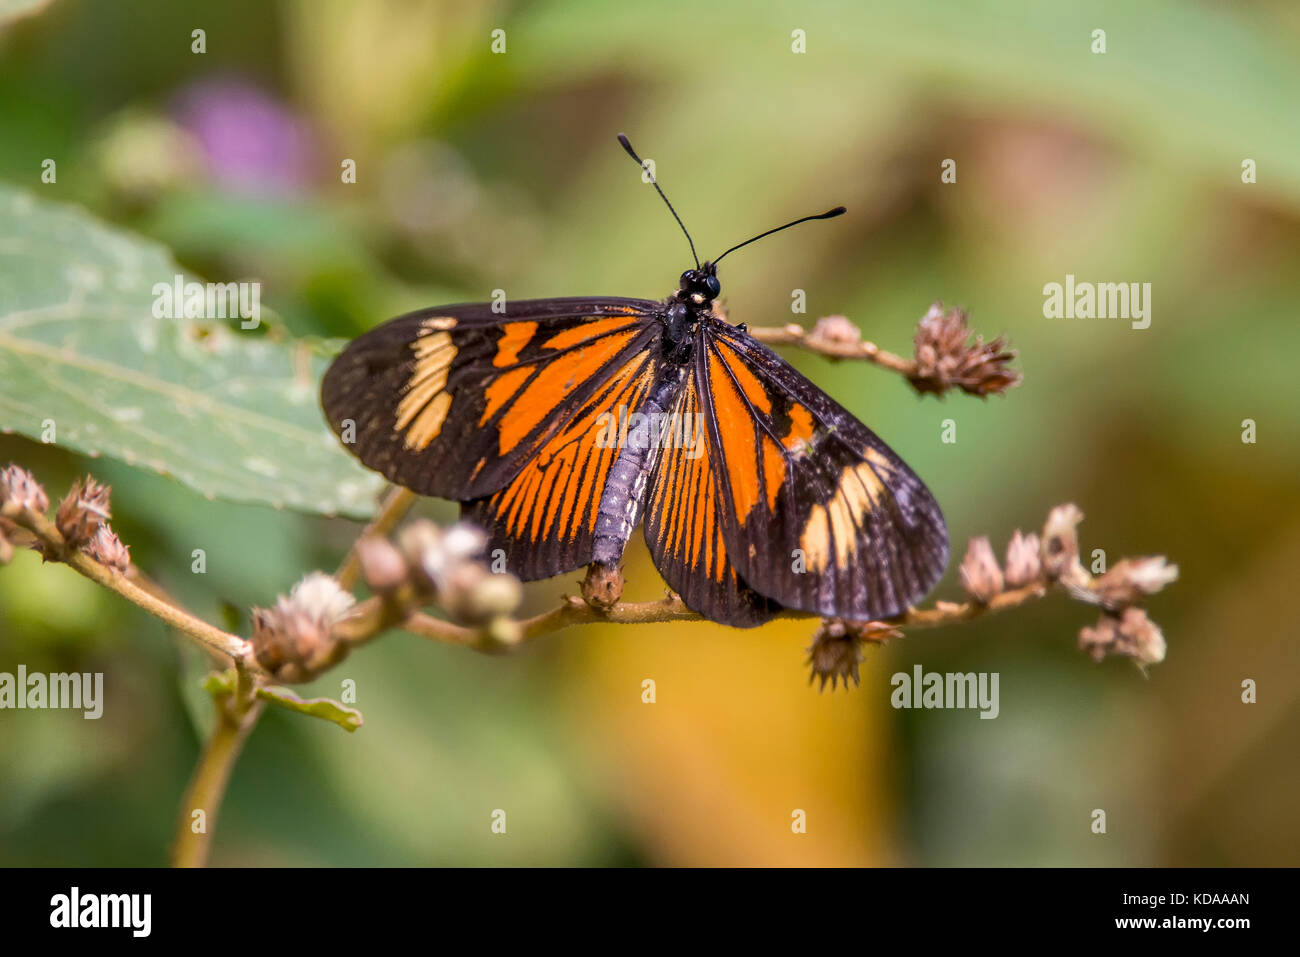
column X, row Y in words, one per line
column 232, row 414
column 349, row 719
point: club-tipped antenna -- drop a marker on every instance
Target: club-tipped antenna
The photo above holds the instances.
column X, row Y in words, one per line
column 829, row 214
column 653, row 182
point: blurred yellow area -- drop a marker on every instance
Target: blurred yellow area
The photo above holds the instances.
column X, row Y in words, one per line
column 735, row 744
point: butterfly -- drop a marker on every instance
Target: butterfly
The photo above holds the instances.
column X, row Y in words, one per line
column 560, row 424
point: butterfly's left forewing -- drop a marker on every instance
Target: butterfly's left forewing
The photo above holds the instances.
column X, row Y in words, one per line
column 457, row 401
column 818, row 513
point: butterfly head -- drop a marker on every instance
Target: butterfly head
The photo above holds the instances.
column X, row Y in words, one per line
column 700, row 286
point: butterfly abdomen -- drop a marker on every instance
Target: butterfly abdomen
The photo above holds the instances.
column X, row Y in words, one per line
column 624, row 494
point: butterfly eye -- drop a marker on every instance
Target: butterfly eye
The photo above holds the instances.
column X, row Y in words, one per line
column 687, row 278
column 713, row 286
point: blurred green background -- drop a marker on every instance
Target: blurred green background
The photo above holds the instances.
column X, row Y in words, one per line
column 479, row 171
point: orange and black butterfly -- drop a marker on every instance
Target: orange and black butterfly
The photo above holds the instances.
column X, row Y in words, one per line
column 561, row 423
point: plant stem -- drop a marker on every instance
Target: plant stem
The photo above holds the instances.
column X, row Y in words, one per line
column 55, row 548
column 208, row 786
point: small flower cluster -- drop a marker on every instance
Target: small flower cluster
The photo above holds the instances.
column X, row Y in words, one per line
column 1124, row 628
column 20, row 494
column 836, row 649
column 946, row 358
column 298, row 639
column 82, row 516
column 294, row 639
column 445, row 565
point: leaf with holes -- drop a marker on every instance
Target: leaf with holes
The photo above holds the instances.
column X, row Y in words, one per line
column 86, row 363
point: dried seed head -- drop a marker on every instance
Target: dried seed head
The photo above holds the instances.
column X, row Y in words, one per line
column 491, row 597
column 293, row 640
column 603, row 585
column 20, row 492
column 1132, row 579
column 980, row 575
column 383, row 567
column 946, row 359
column 1024, row 564
column 835, row 653
column 321, row 597
column 107, row 549
column 6, row 548
column 837, row 330
column 464, row 542
column 421, row 543
column 83, row 510
column 1129, row 633
column 473, row 595
column 1060, row 549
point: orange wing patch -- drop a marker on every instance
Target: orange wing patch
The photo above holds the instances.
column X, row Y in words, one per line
column 801, row 429
column 502, row 388
column 755, row 463
column 587, row 330
column 684, row 502
column 515, row 337
column 553, row 383
column 558, row 491
column 749, row 383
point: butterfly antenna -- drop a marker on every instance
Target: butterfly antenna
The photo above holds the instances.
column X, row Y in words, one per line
column 653, row 182
column 829, row 214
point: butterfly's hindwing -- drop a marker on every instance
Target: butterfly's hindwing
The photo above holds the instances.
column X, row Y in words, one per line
column 818, row 513
column 545, row 518
column 683, row 527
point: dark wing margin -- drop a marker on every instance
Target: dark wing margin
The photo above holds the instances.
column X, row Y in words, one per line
column 818, row 513
column 683, row 527
column 455, row 401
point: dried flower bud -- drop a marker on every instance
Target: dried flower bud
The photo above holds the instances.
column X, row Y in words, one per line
column 421, row 543
column 835, row 653
column 107, row 549
column 945, row 359
column 83, row 510
column 322, row 597
column 503, row 633
column 464, row 542
column 473, row 595
column 293, row 640
column 603, row 585
column 20, row 492
column 383, row 568
column 837, row 330
column 980, row 575
column 494, row 596
column 1060, row 548
column 1024, row 564
column 1129, row 633
column 878, row 632
column 1132, row 579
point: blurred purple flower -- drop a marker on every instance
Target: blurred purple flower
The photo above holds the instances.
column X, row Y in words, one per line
column 251, row 141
